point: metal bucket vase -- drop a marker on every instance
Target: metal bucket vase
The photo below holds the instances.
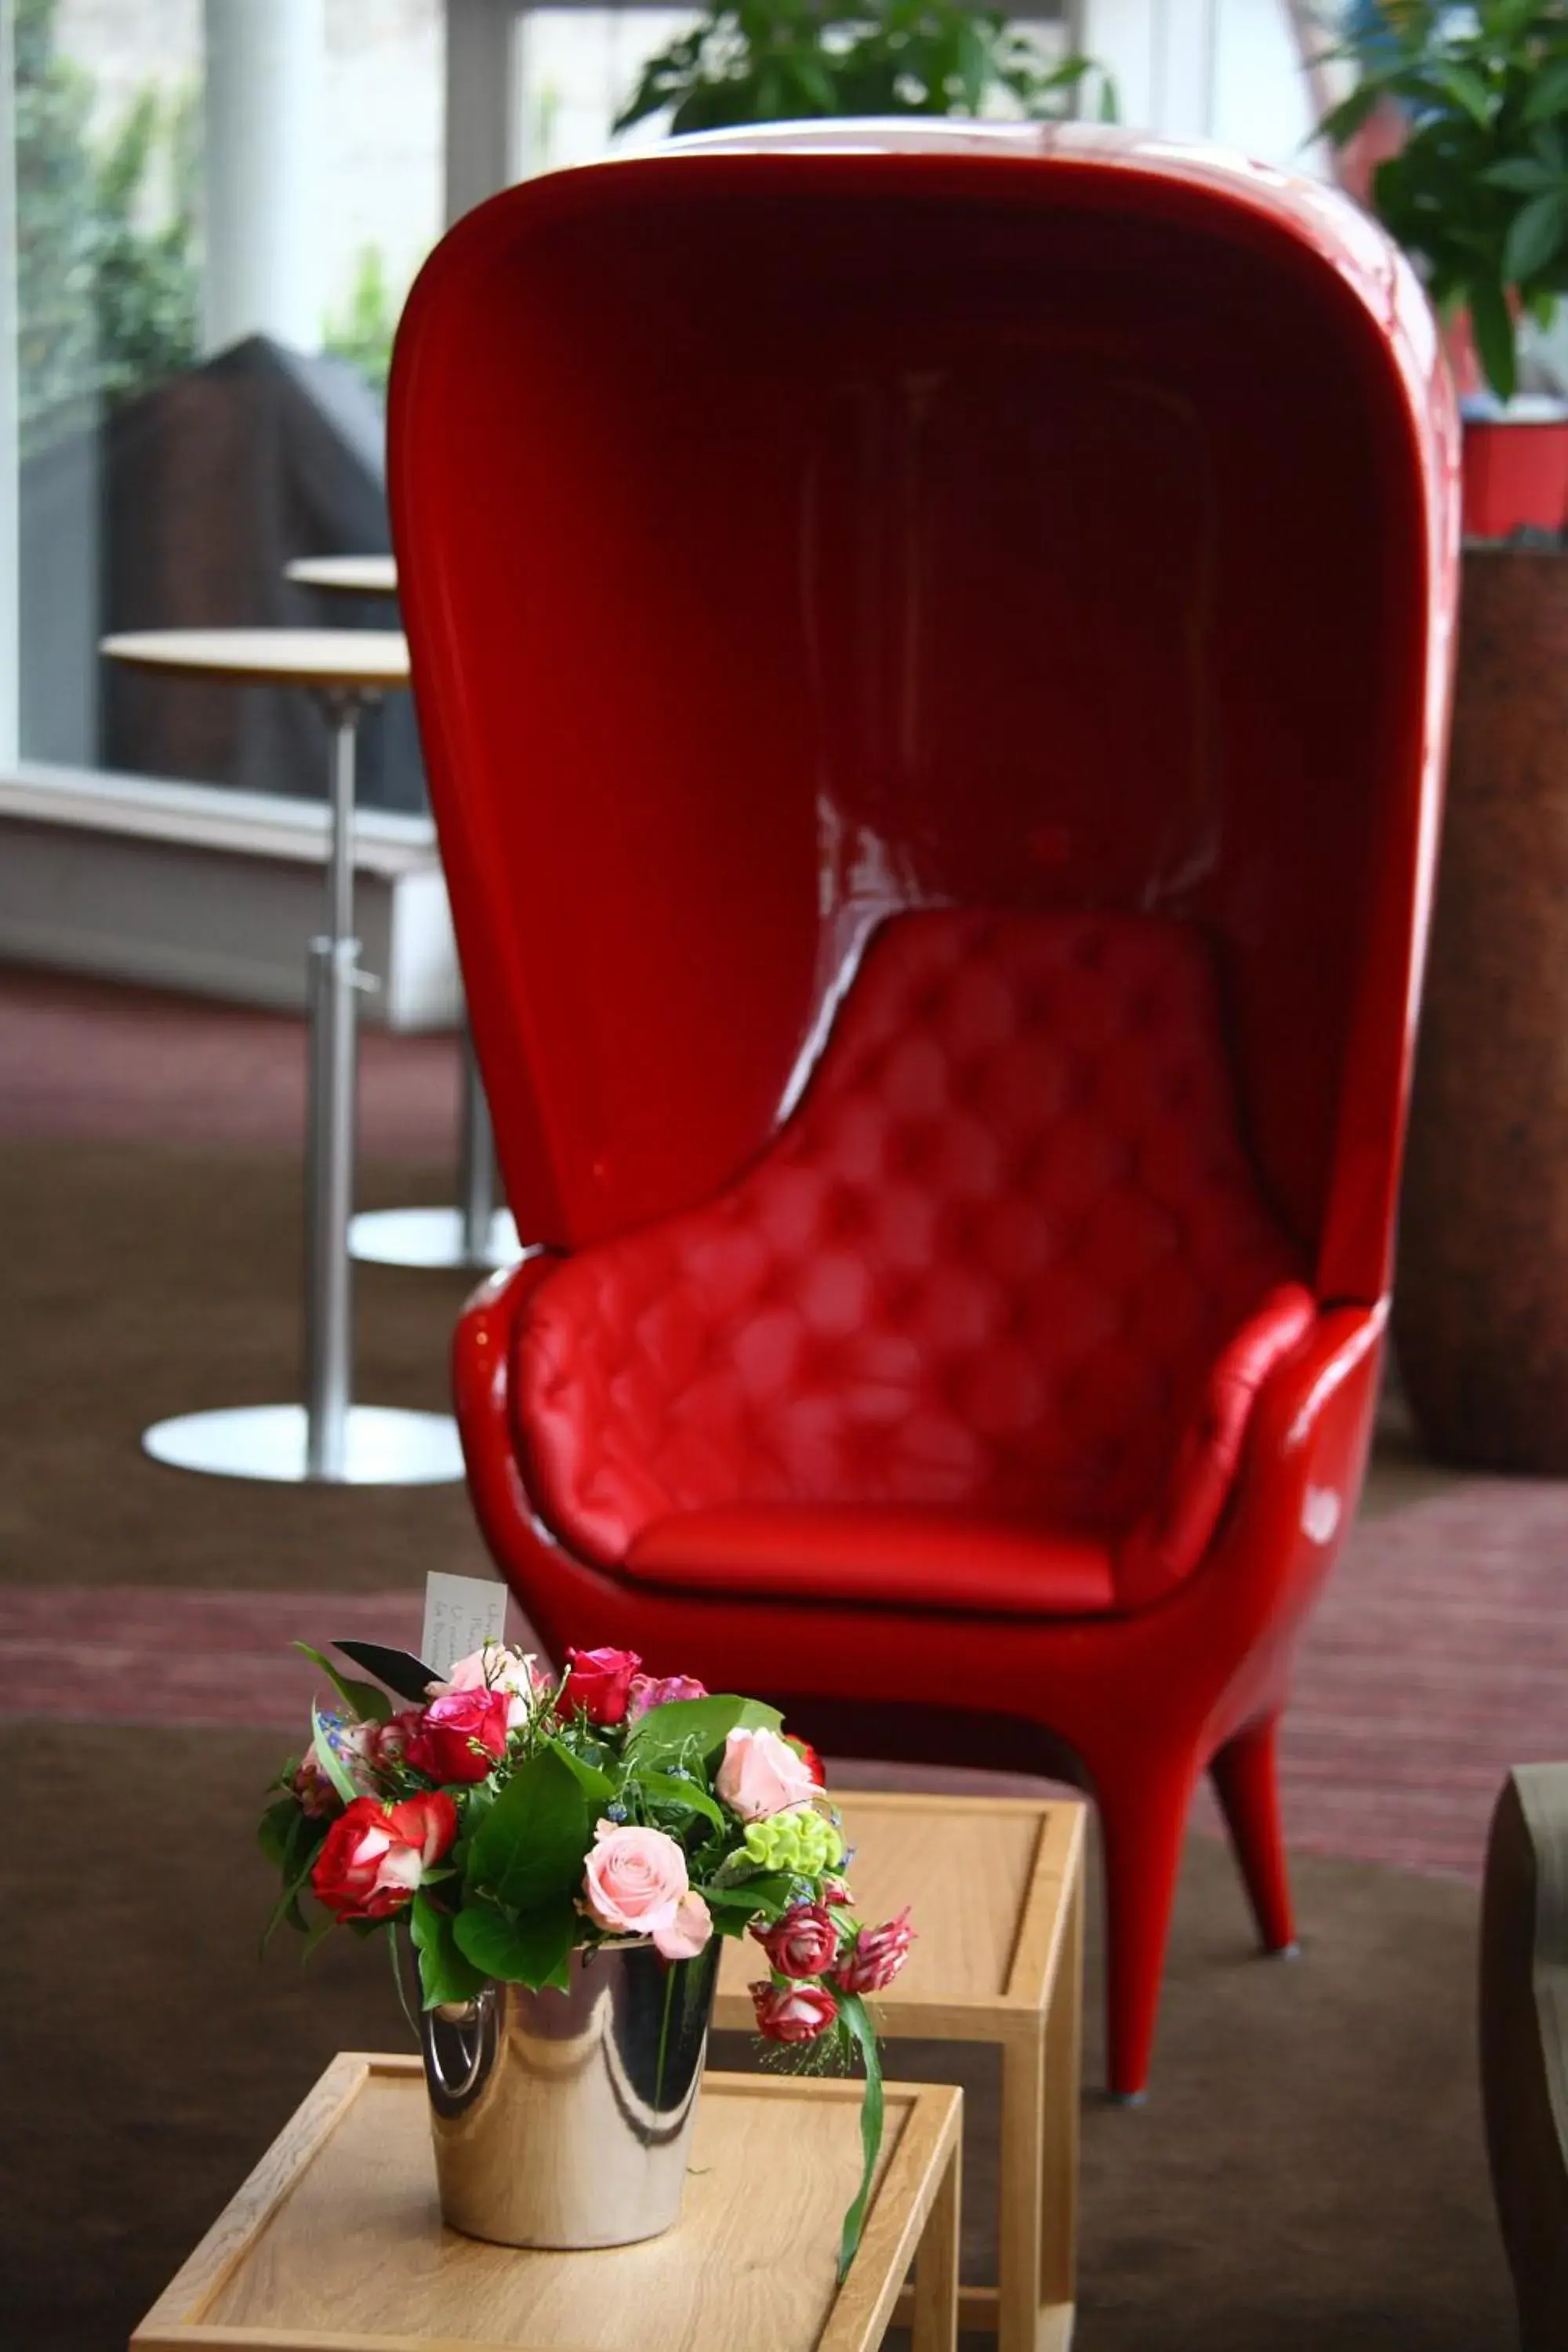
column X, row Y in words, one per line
column 562, row 2120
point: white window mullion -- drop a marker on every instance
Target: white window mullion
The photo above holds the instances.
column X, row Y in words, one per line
column 10, row 595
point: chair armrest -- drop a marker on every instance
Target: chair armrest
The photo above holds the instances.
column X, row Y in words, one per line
column 1524, row 2042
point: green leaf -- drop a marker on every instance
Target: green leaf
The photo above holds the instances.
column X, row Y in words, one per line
column 698, row 1727
column 766, row 1897
column 444, row 1973
column 365, row 1700
column 533, row 1950
column 662, row 1789
column 596, row 1786
column 1535, row 237
column 1493, row 329
column 288, row 1904
column 316, row 1933
column 1548, row 93
column 533, row 1841
column 1467, row 89
column 330, row 1761
column 1342, row 121
column 278, row 1830
column 857, row 2017
column 1521, row 176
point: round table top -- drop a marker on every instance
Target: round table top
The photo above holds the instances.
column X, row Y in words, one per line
column 346, row 576
column 368, row 659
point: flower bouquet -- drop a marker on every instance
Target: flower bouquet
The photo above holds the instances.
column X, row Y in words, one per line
column 536, row 1833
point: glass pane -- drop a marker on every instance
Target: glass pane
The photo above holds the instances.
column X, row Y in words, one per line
column 581, row 65
column 220, row 206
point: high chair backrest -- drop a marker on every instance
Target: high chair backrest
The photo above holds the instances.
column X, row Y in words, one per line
column 799, row 528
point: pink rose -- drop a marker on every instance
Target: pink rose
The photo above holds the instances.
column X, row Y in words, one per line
column 309, row 1782
column 803, row 1943
column 599, row 1681
column 794, row 2012
column 376, row 1855
column 876, row 1956
column 660, row 1690
column 460, row 1737
column 636, row 1882
column 389, row 1740
column 493, row 1668
column 762, row 1775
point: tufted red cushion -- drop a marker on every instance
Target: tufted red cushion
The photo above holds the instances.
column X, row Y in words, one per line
column 989, row 1265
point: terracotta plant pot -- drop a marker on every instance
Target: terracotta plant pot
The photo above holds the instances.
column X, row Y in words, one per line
column 1516, row 470
column 1480, row 1315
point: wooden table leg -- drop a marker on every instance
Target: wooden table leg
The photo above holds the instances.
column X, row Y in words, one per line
column 935, row 2313
column 1060, row 2122
column 1022, row 2200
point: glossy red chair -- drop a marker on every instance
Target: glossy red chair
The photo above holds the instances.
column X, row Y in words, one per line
column 932, row 654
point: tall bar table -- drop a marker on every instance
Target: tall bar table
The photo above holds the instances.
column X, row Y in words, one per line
column 475, row 1233
column 328, row 1439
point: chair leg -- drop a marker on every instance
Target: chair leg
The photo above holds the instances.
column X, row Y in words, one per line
column 1246, row 1783
column 1142, row 1823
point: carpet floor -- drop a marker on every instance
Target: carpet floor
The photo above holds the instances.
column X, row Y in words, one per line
column 155, row 1279
column 1308, row 2171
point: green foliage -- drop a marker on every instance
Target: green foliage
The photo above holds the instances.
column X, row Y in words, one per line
column 531, row 1845
column 362, row 331
column 106, row 303
column 790, row 60
column 1479, row 190
column 856, row 2021
column 694, row 1726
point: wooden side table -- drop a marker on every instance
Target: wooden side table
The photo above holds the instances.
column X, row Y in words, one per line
column 996, row 1888
column 335, row 2242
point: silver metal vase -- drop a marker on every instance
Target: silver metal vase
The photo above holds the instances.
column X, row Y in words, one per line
column 562, row 2120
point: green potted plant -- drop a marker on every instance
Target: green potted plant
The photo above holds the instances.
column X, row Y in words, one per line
column 790, row 60
column 1477, row 193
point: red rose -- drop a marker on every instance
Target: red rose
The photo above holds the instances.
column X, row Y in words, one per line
column 600, row 1682
column 876, row 1956
column 809, row 1757
column 803, row 1943
column 375, row 1855
column 794, row 2012
column 460, row 1735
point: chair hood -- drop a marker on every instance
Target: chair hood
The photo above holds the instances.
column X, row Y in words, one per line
column 801, row 528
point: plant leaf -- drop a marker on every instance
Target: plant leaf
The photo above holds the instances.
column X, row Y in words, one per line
column 444, row 1973
column 533, row 1950
column 694, row 1726
column 365, row 1699
column 1493, row 329
column 1535, row 237
column 596, row 1786
column 661, row 1788
column 1547, row 92
column 857, row 2017
column 409, row 1677
column 1342, row 121
column 532, row 1843
column 330, row 1761
column 276, row 1831
column 1522, row 176
column 1465, row 88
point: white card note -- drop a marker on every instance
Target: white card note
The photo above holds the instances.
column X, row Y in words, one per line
column 461, row 1613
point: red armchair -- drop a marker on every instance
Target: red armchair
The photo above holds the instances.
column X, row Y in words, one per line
column 932, row 648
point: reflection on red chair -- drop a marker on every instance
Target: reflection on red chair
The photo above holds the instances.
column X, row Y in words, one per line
column 932, row 653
